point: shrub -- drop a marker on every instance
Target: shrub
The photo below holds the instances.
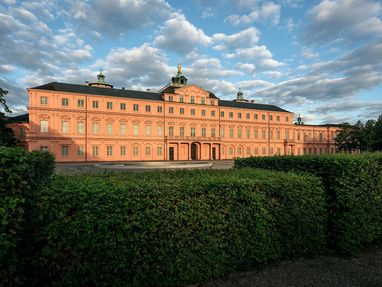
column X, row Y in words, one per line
column 21, row 173
column 353, row 185
column 172, row 228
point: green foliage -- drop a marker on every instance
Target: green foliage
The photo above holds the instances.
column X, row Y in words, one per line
column 172, row 228
column 353, row 185
column 21, row 173
column 7, row 137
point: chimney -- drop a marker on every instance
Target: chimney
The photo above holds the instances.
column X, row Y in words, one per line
column 123, row 88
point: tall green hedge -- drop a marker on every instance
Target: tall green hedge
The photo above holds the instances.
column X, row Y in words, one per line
column 173, row 228
column 21, row 174
column 353, row 185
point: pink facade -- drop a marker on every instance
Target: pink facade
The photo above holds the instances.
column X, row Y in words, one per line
column 95, row 122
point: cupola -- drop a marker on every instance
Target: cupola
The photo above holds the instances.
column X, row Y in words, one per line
column 179, row 80
column 240, row 97
column 101, row 82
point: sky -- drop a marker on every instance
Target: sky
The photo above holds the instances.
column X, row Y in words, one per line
column 320, row 59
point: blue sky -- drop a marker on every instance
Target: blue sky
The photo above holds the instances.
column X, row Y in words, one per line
column 322, row 59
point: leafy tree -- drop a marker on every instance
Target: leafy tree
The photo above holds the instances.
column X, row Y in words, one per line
column 378, row 134
column 345, row 140
column 7, row 137
column 2, row 100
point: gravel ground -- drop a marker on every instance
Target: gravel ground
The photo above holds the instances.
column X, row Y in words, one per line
column 326, row 271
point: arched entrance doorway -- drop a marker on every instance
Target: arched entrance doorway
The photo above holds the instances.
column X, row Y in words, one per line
column 194, row 151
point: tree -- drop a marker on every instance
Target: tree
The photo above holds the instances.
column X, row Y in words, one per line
column 345, row 140
column 7, row 137
column 378, row 134
column 2, row 100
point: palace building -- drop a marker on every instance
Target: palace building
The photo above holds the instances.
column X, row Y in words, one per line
column 97, row 122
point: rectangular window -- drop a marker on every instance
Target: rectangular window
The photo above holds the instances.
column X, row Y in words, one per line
column 148, row 131
column 255, row 116
column 277, row 118
column 64, row 150
column 109, row 129
column 239, row 115
column 148, row 150
column 271, row 151
column 213, row 132
column 80, row 103
column 80, row 127
column 278, row 134
column 212, row 113
column 203, row 112
column 181, row 131
column 122, row 106
column 248, row 151
column 270, row 117
column 192, row 99
column 95, row 150
column 231, row 151
column 95, row 104
column 203, row 132
column 148, row 108
column 231, row 133
column 193, row 132
column 239, row 151
column 212, row 102
column 264, row 150
column 135, row 107
column 203, row 101
column 263, row 117
column 181, row 111
column 170, row 98
column 239, row 133
column 109, row 105
column 222, row 114
column 256, row 150
column 109, row 150
column 122, row 129
column 255, row 134
column 123, row 150
column 248, row 133
column 44, row 126
column 95, row 128
column 247, row 116
column 80, row 150
column 263, row 135
column 65, row 102
column 43, row 100
column 271, row 135
column 135, row 151
column 287, row 135
column 170, row 110
column 181, row 99
column 193, row 112
column 159, row 109
column 231, row 115
column 222, row 133
column 159, row 150
column 135, row 130
column 287, row 119
column 22, row 133
column 44, row 148
column 65, row 127
column 171, row 131
column 160, row 131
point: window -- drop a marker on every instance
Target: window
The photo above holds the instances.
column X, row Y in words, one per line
column 181, row 111
column 44, row 126
column 231, row 151
column 193, row 112
column 181, row 131
column 80, row 103
column 109, row 105
column 22, row 133
column 64, row 150
column 148, row 131
column 212, row 113
column 298, row 136
column 160, row 131
column 263, row 135
column 231, row 115
column 148, row 150
column 213, row 132
column 135, row 107
column 212, row 102
column 80, row 127
column 65, row 102
column 171, row 110
column 80, row 150
column 231, row 133
column 95, row 150
column 239, row 133
column 65, row 127
column 239, row 115
column 271, row 135
column 287, row 119
column 263, row 117
column 159, row 109
column 203, row 112
column 181, row 99
column 43, row 100
column 122, row 129
column 135, row 151
column 135, row 130
column 222, row 133
column 159, row 150
column 203, row 101
column 255, row 134
column 277, row 118
column 95, row 104
column 109, row 150
column 247, row 116
column 123, row 150
column 278, row 151
column 264, row 150
column 170, row 98
column 278, row 134
column 223, row 150
column 222, row 114
column 248, row 133
column 256, row 150
column 255, row 116
column 193, row 132
column 239, row 151
column 109, row 129
column 122, row 106
column 287, row 135
column 192, row 99
column 248, row 151
column 44, row 148
column 271, row 151
column 203, row 132
column 270, row 117
column 95, row 128
column 171, row 131
column 148, row 108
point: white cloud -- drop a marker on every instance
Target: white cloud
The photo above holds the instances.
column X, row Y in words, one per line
column 250, row 53
column 268, row 11
column 246, row 67
column 245, row 38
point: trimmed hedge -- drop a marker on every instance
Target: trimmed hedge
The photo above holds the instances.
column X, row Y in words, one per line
column 173, row 228
column 21, row 174
column 353, row 185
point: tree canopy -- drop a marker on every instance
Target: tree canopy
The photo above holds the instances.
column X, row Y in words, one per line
column 7, row 137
